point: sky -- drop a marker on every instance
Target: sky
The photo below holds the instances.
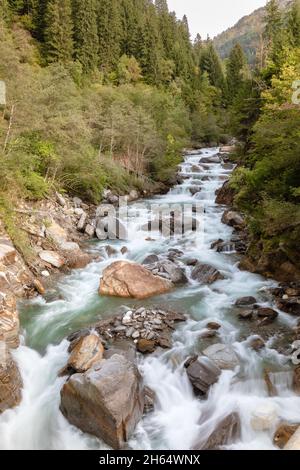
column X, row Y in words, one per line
column 211, row 17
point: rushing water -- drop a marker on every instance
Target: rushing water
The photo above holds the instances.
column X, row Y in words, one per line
column 179, row 419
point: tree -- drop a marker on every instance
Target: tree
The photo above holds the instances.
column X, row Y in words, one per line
column 294, row 24
column 59, row 31
column 86, row 34
column 274, row 30
column 4, row 10
column 210, row 62
column 234, row 68
column 109, row 33
column 129, row 70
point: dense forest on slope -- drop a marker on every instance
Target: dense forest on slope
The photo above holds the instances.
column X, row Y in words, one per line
column 265, row 117
column 248, row 32
column 106, row 94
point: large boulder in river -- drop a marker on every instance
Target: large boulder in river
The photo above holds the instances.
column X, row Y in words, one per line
column 294, row 442
column 225, row 195
column 87, row 352
column 202, row 373
column 223, row 355
column 233, row 219
column 226, row 432
column 206, row 274
column 106, row 401
column 131, row 280
column 10, row 380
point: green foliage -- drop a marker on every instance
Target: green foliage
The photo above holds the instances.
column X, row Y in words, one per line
column 86, row 34
column 58, row 32
column 234, row 72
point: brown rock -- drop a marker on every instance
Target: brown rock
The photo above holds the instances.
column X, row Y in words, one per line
column 39, row 287
column 245, row 301
column 77, row 259
column 10, row 380
column 213, row 326
column 7, row 253
column 202, row 373
column 131, row 280
column 106, row 401
column 227, row 431
column 257, row 344
column 270, row 386
column 86, row 353
column 296, row 380
column 245, row 314
column 225, row 195
column 146, row 346
column 206, row 274
column 150, row 397
column 9, row 328
column 233, row 219
column 267, row 314
column 53, row 258
column 283, row 434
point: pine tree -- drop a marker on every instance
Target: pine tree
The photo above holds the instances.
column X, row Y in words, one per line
column 274, row 30
column 293, row 24
column 234, row 68
column 58, row 31
column 210, row 62
column 86, row 34
column 109, row 33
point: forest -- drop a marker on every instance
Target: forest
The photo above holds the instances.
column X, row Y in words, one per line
column 107, row 93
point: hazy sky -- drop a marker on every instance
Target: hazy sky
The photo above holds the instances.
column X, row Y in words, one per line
column 213, row 16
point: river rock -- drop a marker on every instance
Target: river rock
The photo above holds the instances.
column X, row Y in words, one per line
column 268, row 315
column 283, row 434
column 90, row 230
column 169, row 270
column 225, row 195
column 151, row 259
column 10, row 380
column 294, row 442
column 53, row 258
column 245, row 314
column 226, row 432
column 202, row 373
column 290, row 305
column 223, row 355
column 60, row 199
column 257, row 344
column 233, row 219
column 133, row 195
column 88, row 351
column 206, row 274
column 150, row 397
column 131, row 280
column 82, row 223
column 245, row 301
column 9, row 328
column 146, row 346
column 77, row 259
column 212, row 159
column 296, row 380
column 194, row 190
column 39, row 287
column 213, row 326
column 106, row 401
column 264, row 417
column 7, row 253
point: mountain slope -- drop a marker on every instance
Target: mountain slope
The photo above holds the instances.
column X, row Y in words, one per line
column 247, row 31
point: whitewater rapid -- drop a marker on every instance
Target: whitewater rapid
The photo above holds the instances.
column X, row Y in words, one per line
column 179, row 419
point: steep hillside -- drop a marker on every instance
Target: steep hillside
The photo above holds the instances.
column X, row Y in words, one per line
column 247, row 31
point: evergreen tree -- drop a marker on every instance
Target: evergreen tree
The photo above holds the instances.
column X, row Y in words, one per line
column 294, row 24
column 109, row 33
column 198, row 49
column 274, row 30
column 59, row 31
column 234, row 68
column 86, row 34
column 210, row 62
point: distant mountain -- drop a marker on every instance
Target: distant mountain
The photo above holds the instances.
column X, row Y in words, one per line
column 247, row 32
